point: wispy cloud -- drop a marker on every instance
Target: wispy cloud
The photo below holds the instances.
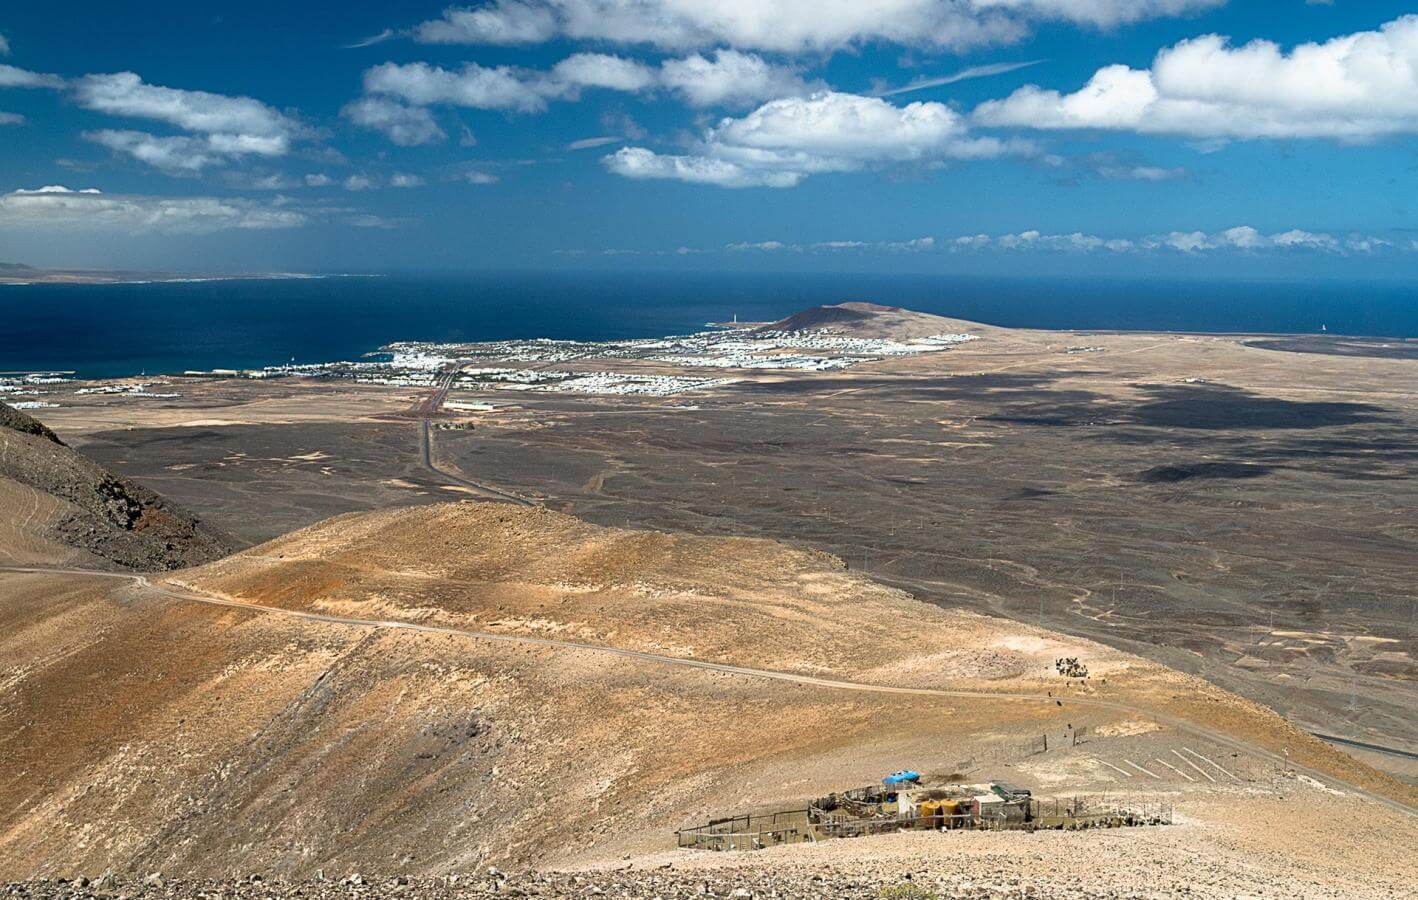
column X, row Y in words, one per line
column 385, row 35
column 985, row 71
column 588, row 143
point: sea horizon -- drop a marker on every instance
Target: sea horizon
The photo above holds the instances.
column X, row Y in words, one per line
column 166, row 327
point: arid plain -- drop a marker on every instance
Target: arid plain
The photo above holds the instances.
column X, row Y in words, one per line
column 1236, row 511
column 1217, row 526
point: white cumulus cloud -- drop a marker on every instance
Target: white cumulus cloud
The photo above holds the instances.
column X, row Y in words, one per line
column 1354, row 87
column 1099, row 13
column 914, row 245
column 501, row 22
column 407, row 126
column 221, row 128
column 57, row 208
column 396, row 93
column 730, row 78
column 125, row 94
column 1297, row 237
column 473, row 86
column 785, row 26
column 1241, row 238
column 834, row 131
column 12, row 77
column 601, row 70
column 55, row 189
column 185, row 154
column 784, row 141
column 756, row 245
column 639, row 162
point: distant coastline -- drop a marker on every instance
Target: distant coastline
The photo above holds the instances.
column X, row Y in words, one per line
column 20, row 275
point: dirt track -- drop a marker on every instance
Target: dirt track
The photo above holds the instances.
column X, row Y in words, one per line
column 1181, row 725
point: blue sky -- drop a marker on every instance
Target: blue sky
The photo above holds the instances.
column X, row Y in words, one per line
column 1199, row 137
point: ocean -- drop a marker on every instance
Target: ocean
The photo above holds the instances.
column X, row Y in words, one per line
column 101, row 331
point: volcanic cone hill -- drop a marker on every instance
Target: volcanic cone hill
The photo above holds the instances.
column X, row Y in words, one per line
column 72, row 510
column 429, row 690
column 873, row 320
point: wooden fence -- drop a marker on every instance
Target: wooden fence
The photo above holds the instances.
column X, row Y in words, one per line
column 755, row 832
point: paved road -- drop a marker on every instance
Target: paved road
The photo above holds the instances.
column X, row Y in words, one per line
column 429, row 406
column 487, row 491
column 1364, row 745
column 1216, row 737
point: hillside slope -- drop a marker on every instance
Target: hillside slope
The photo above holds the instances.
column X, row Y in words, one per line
column 63, row 500
column 239, row 740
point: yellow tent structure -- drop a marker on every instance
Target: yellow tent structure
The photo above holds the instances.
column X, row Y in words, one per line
column 950, row 811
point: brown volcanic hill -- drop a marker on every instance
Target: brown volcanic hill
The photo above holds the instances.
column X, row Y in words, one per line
column 157, row 734
column 873, row 320
column 65, row 499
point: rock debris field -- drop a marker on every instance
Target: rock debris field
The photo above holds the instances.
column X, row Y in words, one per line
column 736, row 884
column 1028, row 873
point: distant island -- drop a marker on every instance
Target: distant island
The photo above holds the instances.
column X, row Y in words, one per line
column 19, row 273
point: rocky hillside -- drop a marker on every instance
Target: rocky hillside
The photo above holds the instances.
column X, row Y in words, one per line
column 100, row 512
column 24, row 423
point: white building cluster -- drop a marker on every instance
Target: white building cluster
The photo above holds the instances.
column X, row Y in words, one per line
column 641, row 385
column 12, row 386
column 538, row 364
column 138, row 389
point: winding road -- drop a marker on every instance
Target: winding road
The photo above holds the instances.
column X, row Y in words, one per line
column 1219, row 738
